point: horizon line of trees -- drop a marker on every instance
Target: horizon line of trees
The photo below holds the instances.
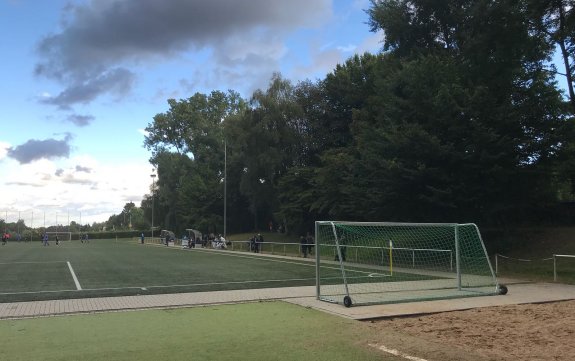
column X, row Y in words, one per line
column 458, row 119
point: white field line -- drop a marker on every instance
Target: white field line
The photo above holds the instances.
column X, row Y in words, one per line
column 9, row 263
column 397, row 353
column 275, row 260
column 78, row 287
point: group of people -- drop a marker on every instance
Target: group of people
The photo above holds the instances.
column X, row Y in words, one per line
column 306, row 244
column 219, row 242
column 215, row 241
column 45, row 238
column 256, row 243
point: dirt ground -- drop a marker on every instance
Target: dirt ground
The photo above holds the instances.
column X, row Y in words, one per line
column 541, row 332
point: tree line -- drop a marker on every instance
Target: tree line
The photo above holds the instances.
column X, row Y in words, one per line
column 459, row 118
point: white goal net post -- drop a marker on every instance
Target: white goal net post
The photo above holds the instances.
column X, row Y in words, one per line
column 62, row 236
column 385, row 262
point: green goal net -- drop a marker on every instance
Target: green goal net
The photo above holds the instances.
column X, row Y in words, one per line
column 368, row 263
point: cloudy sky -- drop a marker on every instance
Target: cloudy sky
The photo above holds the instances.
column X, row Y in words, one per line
column 81, row 79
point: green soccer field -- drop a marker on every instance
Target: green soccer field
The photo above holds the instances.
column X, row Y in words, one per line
column 101, row 268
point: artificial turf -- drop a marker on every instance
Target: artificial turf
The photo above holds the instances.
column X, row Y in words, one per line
column 252, row 331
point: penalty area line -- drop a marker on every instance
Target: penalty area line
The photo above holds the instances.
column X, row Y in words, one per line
column 78, row 287
column 397, row 353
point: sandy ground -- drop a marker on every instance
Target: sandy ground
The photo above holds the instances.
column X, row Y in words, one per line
column 539, row 332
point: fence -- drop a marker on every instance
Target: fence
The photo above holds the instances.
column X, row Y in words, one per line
column 553, row 258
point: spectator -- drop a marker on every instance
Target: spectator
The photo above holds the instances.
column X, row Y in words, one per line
column 303, row 243
column 259, row 240
column 310, row 242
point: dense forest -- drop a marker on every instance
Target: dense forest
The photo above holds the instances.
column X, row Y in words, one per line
column 459, row 118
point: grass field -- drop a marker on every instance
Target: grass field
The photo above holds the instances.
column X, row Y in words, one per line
column 101, row 268
column 253, row 331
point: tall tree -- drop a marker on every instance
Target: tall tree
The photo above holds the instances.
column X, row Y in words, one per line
column 194, row 129
column 267, row 137
column 554, row 20
column 468, row 122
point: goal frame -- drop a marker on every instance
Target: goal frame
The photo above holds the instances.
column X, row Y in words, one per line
column 492, row 288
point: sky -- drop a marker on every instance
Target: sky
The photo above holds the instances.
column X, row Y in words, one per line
column 81, row 80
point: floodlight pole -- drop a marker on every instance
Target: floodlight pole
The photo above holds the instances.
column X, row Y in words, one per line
column 153, row 175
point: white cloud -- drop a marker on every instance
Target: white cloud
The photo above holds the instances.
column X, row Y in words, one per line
column 372, row 44
column 49, row 188
column 4, row 149
column 347, row 48
column 101, row 40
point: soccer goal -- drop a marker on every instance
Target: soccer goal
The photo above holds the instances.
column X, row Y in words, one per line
column 369, row 263
column 62, row 236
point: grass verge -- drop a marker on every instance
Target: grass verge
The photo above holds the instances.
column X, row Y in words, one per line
column 251, row 331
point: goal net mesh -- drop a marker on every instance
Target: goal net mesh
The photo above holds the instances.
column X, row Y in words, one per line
column 371, row 263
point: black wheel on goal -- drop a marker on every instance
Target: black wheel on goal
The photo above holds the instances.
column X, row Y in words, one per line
column 347, row 301
column 502, row 289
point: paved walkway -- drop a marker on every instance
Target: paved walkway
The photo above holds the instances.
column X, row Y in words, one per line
column 304, row 296
column 518, row 294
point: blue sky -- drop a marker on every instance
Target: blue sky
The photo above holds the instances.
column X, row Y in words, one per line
column 82, row 79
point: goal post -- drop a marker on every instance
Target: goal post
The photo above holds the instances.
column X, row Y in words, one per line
column 383, row 262
column 62, row 236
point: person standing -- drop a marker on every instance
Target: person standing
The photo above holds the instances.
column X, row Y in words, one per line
column 142, row 238
column 310, row 243
column 303, row 244
column 57, row 241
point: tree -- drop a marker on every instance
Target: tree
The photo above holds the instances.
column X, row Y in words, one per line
column 462, row 93
column 194, row 129
column 554, row 21
column 266, row 138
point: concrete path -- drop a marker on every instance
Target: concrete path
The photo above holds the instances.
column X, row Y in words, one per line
column 518, row 294
column 304, row 296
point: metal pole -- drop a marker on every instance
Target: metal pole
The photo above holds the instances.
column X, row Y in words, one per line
column 225, row 185
column 554, row 268
column 153, row 175
column 457, row 258
column 317, row 270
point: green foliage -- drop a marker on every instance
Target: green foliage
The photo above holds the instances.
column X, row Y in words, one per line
column 459, row 119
